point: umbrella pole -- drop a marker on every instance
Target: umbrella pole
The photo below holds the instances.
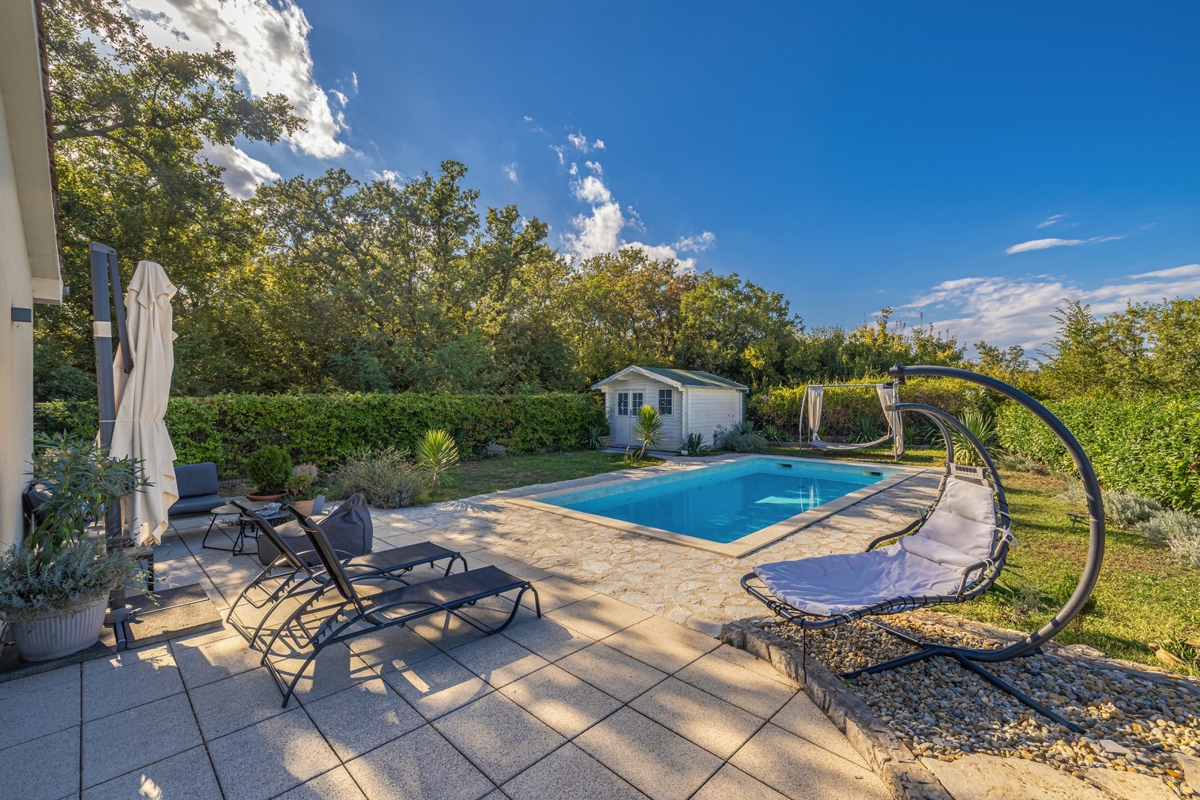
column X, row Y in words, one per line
column 104, row 266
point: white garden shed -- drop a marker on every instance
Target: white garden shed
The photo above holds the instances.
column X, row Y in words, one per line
column 689, row 401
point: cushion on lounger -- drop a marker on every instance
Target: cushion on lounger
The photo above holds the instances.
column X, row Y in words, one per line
column 964, row 518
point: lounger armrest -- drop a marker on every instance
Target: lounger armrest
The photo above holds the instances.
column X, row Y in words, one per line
column 912, row 526
column 966, row 574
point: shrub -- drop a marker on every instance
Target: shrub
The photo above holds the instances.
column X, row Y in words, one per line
column 493, row 450
column 594, row 440
column 648, row 426
column 269, row 469
column 695, row 445
column 1127, row 509
column 385, row 477
column 742, row 438
column 982, row 428
column 864, row 431
column 773, row 435
column 437, row 455
column 1178, row 530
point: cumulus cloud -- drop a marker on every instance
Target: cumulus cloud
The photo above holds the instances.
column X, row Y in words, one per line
column 592, row 190
column 580, row 143
column 391, row 176
column 510, row 171
column 270, row 40
column 1046, row 244
column 594, row 167
column 1004, row 311
column 243, row 174
column 1046, row 223
column 696, row 244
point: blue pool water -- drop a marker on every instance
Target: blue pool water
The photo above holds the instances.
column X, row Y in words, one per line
column 725, row 502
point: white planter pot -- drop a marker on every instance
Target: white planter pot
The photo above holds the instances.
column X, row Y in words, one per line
column 56, row 634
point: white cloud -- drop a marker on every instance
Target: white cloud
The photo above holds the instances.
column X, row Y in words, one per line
column 696, row 244
column 574, row 170
column 1046, row 223
column 662, row 252
column 354, row 78
column 592, row 190
column 270, row 40
column 1004, row 311
column 341, row 98
column 559, row 150
column 528, row 118
column 580, row 143
column 1045, row 244
column 594, row 167
column 391, row 176
column 243, row 174
column 510, row 172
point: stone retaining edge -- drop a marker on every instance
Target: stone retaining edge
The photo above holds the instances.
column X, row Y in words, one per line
column 903, row 775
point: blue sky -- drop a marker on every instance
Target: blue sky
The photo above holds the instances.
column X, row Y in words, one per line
column 849, row 155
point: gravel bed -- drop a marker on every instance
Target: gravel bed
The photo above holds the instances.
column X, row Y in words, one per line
column 939, row 710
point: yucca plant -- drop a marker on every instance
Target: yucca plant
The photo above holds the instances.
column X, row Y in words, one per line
column 437, row 454
column 865, row 430
column 648, row 426
column 695, row 445
column 983, row 428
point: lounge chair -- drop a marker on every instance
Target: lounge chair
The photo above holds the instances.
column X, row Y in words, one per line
column 357, row 614
column 297, row 572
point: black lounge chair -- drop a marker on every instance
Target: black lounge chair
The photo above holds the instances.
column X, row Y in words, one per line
column 357, row 614
column 300, row 572
column 952, row 555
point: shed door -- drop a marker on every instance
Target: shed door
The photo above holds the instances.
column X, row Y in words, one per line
column 619, row 422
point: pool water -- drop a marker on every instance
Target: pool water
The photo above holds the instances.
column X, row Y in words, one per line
column 724, row 502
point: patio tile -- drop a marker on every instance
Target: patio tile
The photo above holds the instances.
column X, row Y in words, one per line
column 698, row 716
column 557, row 592
column 363, row 717
column 418, row 766
column 598, row 616
column 437, row 686
column 731, row 782
column 798, row 768
column 154, row 654
column 656, row 761
column 751, row 691
column 802, row 717
column 498, row 736
column 132, row 739
column 662, row 644
column 42, row 769
column 612, row 672
column 526, row 571
column 549, row 639
column 202, row 661
column 569, row 774
column 333, row 785
column 271, row 757
column 187, row 776
column 741, row 658
column 497, row 660
column 118, row 688
column 392, row 649
column 446, row 631
column 40, row 704
column 561, row 700
column 483, row 558
column 335, row 669
column 236, row 702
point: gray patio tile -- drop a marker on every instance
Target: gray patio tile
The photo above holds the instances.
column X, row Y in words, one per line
column 392, row 649
column 751, row 691
column 753, row 663
column 446, row 631
column 204, row 660
column 38, row 705
column 118, row 688
column 271, row 757
column 154, row 653
column 132, row 739
column 42, row 769
column 662, row 644
column 497, row 660
column 656, row 761
column 227, row 705
column 555, row 592
column 437, row 686
column 569, row 774
column 612, row 672
column 801, row 717
column 561, row 700
column 187, row 776
column 598, row 616
column 333, row 785
column 798, row 768
column 483, row 558
column 731, row 782
column 418, row 766
column 526, row 571
column 549, row 639
column 363, row 717
column 498, row 736
column 698, row 717
column 335, row 669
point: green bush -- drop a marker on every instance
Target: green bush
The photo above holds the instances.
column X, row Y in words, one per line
column 1148, row 446
column 742, row 437
column 324, row 429
column 384, row 476
column 269, row 469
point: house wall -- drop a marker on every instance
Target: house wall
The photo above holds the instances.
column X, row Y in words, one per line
column 635, row 382
column 708, row 409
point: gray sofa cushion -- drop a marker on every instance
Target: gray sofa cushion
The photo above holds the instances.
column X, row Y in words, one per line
column 198, row 490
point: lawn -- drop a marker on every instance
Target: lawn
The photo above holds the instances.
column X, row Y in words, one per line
column 495, row 474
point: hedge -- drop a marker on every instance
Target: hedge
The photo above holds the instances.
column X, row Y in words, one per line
column 324, row 428
column 1148, row 445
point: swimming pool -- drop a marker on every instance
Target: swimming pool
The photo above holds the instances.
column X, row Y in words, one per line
column 722, row 505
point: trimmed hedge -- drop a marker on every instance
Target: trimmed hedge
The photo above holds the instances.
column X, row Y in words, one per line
column 1148, row 445
column 324, row 428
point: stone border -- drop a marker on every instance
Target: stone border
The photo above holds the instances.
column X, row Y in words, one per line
column 903, row 775
column 746, row 544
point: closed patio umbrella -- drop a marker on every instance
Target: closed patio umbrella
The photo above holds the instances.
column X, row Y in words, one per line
column 141, row 397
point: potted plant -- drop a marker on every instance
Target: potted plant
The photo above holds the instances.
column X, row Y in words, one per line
column 269, row 470
column 54, row 589
column 301, row 492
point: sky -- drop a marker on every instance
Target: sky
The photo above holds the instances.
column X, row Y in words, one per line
column 969, row 166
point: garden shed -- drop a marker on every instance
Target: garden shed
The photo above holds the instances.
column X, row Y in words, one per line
column 689, row 401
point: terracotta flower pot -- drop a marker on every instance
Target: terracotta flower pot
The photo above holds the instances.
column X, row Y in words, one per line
column 265, row 498
column 57, row 634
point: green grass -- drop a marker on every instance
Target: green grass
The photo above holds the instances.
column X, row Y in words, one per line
column 493, row 475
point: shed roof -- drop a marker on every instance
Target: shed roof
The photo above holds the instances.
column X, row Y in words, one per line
column 682, row 378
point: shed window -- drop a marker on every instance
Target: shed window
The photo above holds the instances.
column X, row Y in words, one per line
column 639, row 400
column 622, row 404
column 664, row 402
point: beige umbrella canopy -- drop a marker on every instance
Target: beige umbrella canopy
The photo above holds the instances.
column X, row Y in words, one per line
column 141, row 396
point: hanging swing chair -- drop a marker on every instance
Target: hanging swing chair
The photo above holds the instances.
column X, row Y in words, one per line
column 814, row 399
column 951, row 555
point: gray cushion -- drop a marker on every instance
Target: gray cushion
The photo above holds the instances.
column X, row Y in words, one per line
column 195, row 480
column 348, row 529
column 189, row 506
